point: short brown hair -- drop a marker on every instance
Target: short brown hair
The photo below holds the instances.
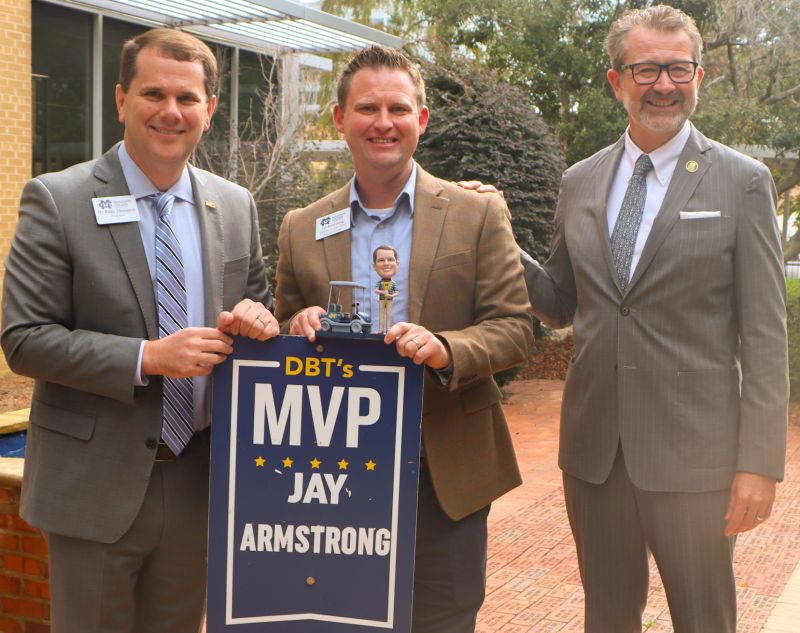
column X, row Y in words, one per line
column 659, row 18
column 383, row 247
column 170, row 43
column 378, row 56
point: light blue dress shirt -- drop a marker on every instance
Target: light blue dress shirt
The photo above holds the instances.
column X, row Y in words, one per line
column 373, row 227
column 186, row 226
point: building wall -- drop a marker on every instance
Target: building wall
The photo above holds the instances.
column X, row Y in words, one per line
column 15, row 117
column 24, row 591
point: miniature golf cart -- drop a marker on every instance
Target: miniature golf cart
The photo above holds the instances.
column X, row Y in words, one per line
column 336, row 320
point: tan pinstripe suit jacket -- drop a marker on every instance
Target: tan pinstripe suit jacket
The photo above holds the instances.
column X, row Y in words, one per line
column 466, row 285
column 688, row 369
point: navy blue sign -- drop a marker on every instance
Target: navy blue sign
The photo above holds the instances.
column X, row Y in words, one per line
column 314, row 470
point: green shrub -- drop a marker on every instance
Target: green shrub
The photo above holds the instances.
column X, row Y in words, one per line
column 482, row 128
column 793, row 325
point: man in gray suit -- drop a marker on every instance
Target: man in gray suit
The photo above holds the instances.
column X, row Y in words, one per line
column 125, row 277
column 667, row 261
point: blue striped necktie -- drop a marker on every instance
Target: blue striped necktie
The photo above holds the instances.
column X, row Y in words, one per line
column 178, row 420
column 626, row 229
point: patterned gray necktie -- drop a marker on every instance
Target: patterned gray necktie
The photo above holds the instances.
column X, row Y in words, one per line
column 623, row 237
column 178, row 420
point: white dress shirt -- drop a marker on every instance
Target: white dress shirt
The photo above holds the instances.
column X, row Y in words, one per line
column 664, row 160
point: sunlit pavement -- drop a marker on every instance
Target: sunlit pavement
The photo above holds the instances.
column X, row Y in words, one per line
column 533, row 583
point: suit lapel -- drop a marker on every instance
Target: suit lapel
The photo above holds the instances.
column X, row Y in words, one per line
column 680, row 190
column 606, row 170
column 430, row 210
column 337, row 247
column 209, row 207
column 128, row 240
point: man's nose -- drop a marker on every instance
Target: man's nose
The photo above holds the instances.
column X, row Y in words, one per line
column 382, row 119
column 171, row 108
column 664, row 83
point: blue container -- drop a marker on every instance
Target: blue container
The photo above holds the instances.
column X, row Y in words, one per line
column 13, row 444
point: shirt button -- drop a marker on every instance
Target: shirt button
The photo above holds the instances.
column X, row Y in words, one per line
column 625, row 311
column 151, row 443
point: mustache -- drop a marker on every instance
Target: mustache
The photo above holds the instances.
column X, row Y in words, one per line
column 675, row 95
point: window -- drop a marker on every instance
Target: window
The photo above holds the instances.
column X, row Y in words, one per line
column 62, row 87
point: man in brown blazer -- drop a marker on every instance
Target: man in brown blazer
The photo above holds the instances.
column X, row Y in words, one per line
column 673, row 425
column 462, row 311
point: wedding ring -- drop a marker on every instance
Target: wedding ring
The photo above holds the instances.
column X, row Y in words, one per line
column 413, row 340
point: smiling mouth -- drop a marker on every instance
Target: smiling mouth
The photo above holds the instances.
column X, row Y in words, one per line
column 383, row 141
column 663, row 101
column 166, row 131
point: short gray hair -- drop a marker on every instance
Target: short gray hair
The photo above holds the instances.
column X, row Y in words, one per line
column 659, row 18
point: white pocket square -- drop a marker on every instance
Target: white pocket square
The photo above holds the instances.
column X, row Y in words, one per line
column 697, row 215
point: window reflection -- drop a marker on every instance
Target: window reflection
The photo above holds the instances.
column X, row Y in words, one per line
column 62, row 88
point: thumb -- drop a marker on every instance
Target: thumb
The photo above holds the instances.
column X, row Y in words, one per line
column 224, row 321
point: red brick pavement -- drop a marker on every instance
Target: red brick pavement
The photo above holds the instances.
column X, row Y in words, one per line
column 532, row 576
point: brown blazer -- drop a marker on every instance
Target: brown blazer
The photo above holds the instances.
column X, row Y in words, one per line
column 466, row 286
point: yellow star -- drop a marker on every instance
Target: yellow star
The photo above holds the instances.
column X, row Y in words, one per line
column 370, row 465
column 260, row 461
column 315, row 463
column 287, row 462
column 343, row 465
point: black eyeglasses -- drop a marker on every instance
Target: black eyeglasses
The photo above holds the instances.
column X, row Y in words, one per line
column 647, row 73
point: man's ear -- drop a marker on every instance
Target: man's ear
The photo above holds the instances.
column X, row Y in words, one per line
column 119, row 98
column 338, row 118
column 424, row 114
column 615, row 79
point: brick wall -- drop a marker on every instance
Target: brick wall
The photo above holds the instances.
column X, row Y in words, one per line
column 15, row 122
column 24, row 592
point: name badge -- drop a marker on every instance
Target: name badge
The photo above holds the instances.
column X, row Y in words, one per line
column 115, row 209
column 334, row 223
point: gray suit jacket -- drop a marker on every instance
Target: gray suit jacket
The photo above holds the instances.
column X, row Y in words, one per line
column 77, row 301
column 464, row 285
column 689, row 368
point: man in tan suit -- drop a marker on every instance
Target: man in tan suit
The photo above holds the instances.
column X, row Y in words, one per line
column 673, row 426
column 123, row 505
column 463, row 312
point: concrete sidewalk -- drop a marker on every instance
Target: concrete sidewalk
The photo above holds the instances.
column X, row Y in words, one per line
column 533, row 584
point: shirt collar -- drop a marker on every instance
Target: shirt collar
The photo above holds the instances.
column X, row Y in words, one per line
column 664, row 158
column 140, row 186
column 408, row 190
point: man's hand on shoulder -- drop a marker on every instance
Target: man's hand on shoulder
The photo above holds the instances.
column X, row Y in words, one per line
column 751, row 502
column 419, row 344
column 249, row 318
column 188, row 352
column 478, row 186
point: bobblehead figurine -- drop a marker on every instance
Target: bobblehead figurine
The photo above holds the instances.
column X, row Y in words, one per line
column 384, row 261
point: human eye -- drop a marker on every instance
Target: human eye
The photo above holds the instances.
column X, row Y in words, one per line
column 646, row 71
column 680, row 70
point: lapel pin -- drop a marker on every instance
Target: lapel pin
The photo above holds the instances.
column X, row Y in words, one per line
column 692, row 166
column 213, row 205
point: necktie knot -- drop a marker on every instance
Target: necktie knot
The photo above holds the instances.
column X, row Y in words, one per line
column 163, row 202
column 643, row 166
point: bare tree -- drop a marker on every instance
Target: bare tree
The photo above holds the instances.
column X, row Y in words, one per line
column 255, row 141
